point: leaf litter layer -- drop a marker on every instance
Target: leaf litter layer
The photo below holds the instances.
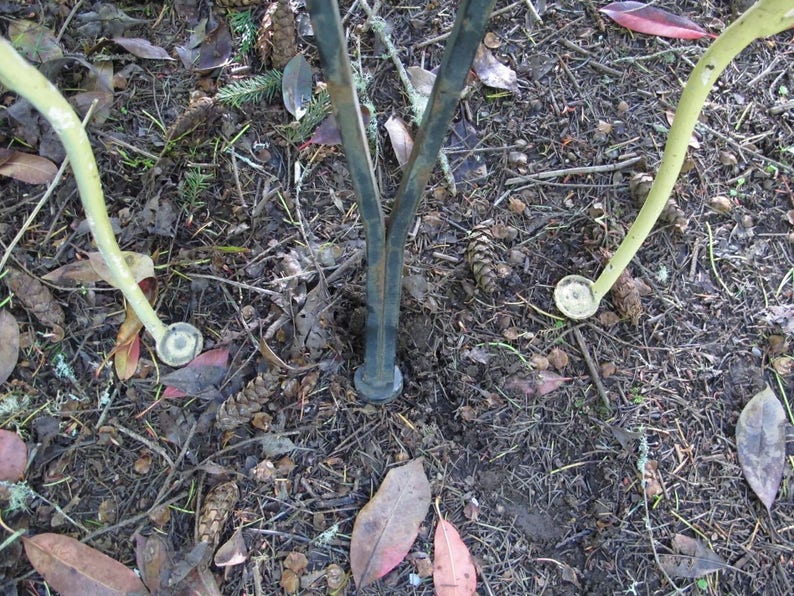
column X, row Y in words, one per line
column 528, row 463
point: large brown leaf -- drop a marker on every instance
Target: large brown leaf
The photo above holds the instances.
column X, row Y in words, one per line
column 453, row 568
column 693, row 560
column 71, row 567
column 761, row 444
column 387, row 526
column 9, row 344
column 26, row 167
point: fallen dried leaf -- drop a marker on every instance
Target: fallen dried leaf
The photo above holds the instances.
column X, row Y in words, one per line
column 651, row 20
column 761, row 444
column 33, row 41
column 204, row 372
column 142, row 48
column 536, row 384
column 233, row 551
column 71, row 567
column 453, row 569
column 387, row 526
column 296, row 86
column 693, row 560
column 492, row 72
column 400, row 138
column 13, row 456
column 9, row 344
column 335, row 579
column 27, row 167
column 153, row 557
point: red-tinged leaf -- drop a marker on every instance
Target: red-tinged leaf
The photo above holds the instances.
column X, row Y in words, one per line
column 9, row 344
column 142, row 48
column 13, row 456
column 400, row 138
column 28, row 168
column 296, row 86
column 537, row 384
column 327, row 133
column 492, row 72
column 639, row 17
column 761, row 444
column 203, row 372
column 453, row 568
column 387, row 526
column 71, row 567
column 127, row 351
column 126, row 358
column 693, row 559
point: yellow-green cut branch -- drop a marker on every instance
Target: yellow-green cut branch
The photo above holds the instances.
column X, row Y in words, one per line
column 22, row 78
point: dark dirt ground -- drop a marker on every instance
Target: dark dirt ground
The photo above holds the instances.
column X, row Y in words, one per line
column 560, row 506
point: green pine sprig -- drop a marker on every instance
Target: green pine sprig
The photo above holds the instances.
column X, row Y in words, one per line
column 251, row 90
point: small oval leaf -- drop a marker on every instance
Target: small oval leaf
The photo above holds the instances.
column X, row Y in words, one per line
column 761, row 444
column 453, row 568
column 296, row 86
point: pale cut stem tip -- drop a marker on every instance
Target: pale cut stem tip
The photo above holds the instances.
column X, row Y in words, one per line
column 180, row 344
column 575, row 298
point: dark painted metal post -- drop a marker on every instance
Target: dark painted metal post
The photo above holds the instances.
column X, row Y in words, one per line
column 379, row 379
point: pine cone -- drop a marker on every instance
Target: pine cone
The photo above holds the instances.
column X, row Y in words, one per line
column 36, row 298
column 480, row 256
column 241, row 407
column 201, row 111
column 626, row 297
column 639, row 187
column 215, row 511
column 277, row 40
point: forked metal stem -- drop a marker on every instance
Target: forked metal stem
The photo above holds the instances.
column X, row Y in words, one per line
column 379, row 380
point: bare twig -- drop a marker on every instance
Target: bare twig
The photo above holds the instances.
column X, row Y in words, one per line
column 533, row 11
column 583, row 170
column 594, row 374
column 152, row 446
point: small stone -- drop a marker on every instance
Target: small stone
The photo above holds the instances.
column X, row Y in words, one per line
column 517, row 158
column 728, row 159
column 491, row 40
column 516, row 205
column 720, row 204
column 539, row 362
column 608, row 369
column 558, row 359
